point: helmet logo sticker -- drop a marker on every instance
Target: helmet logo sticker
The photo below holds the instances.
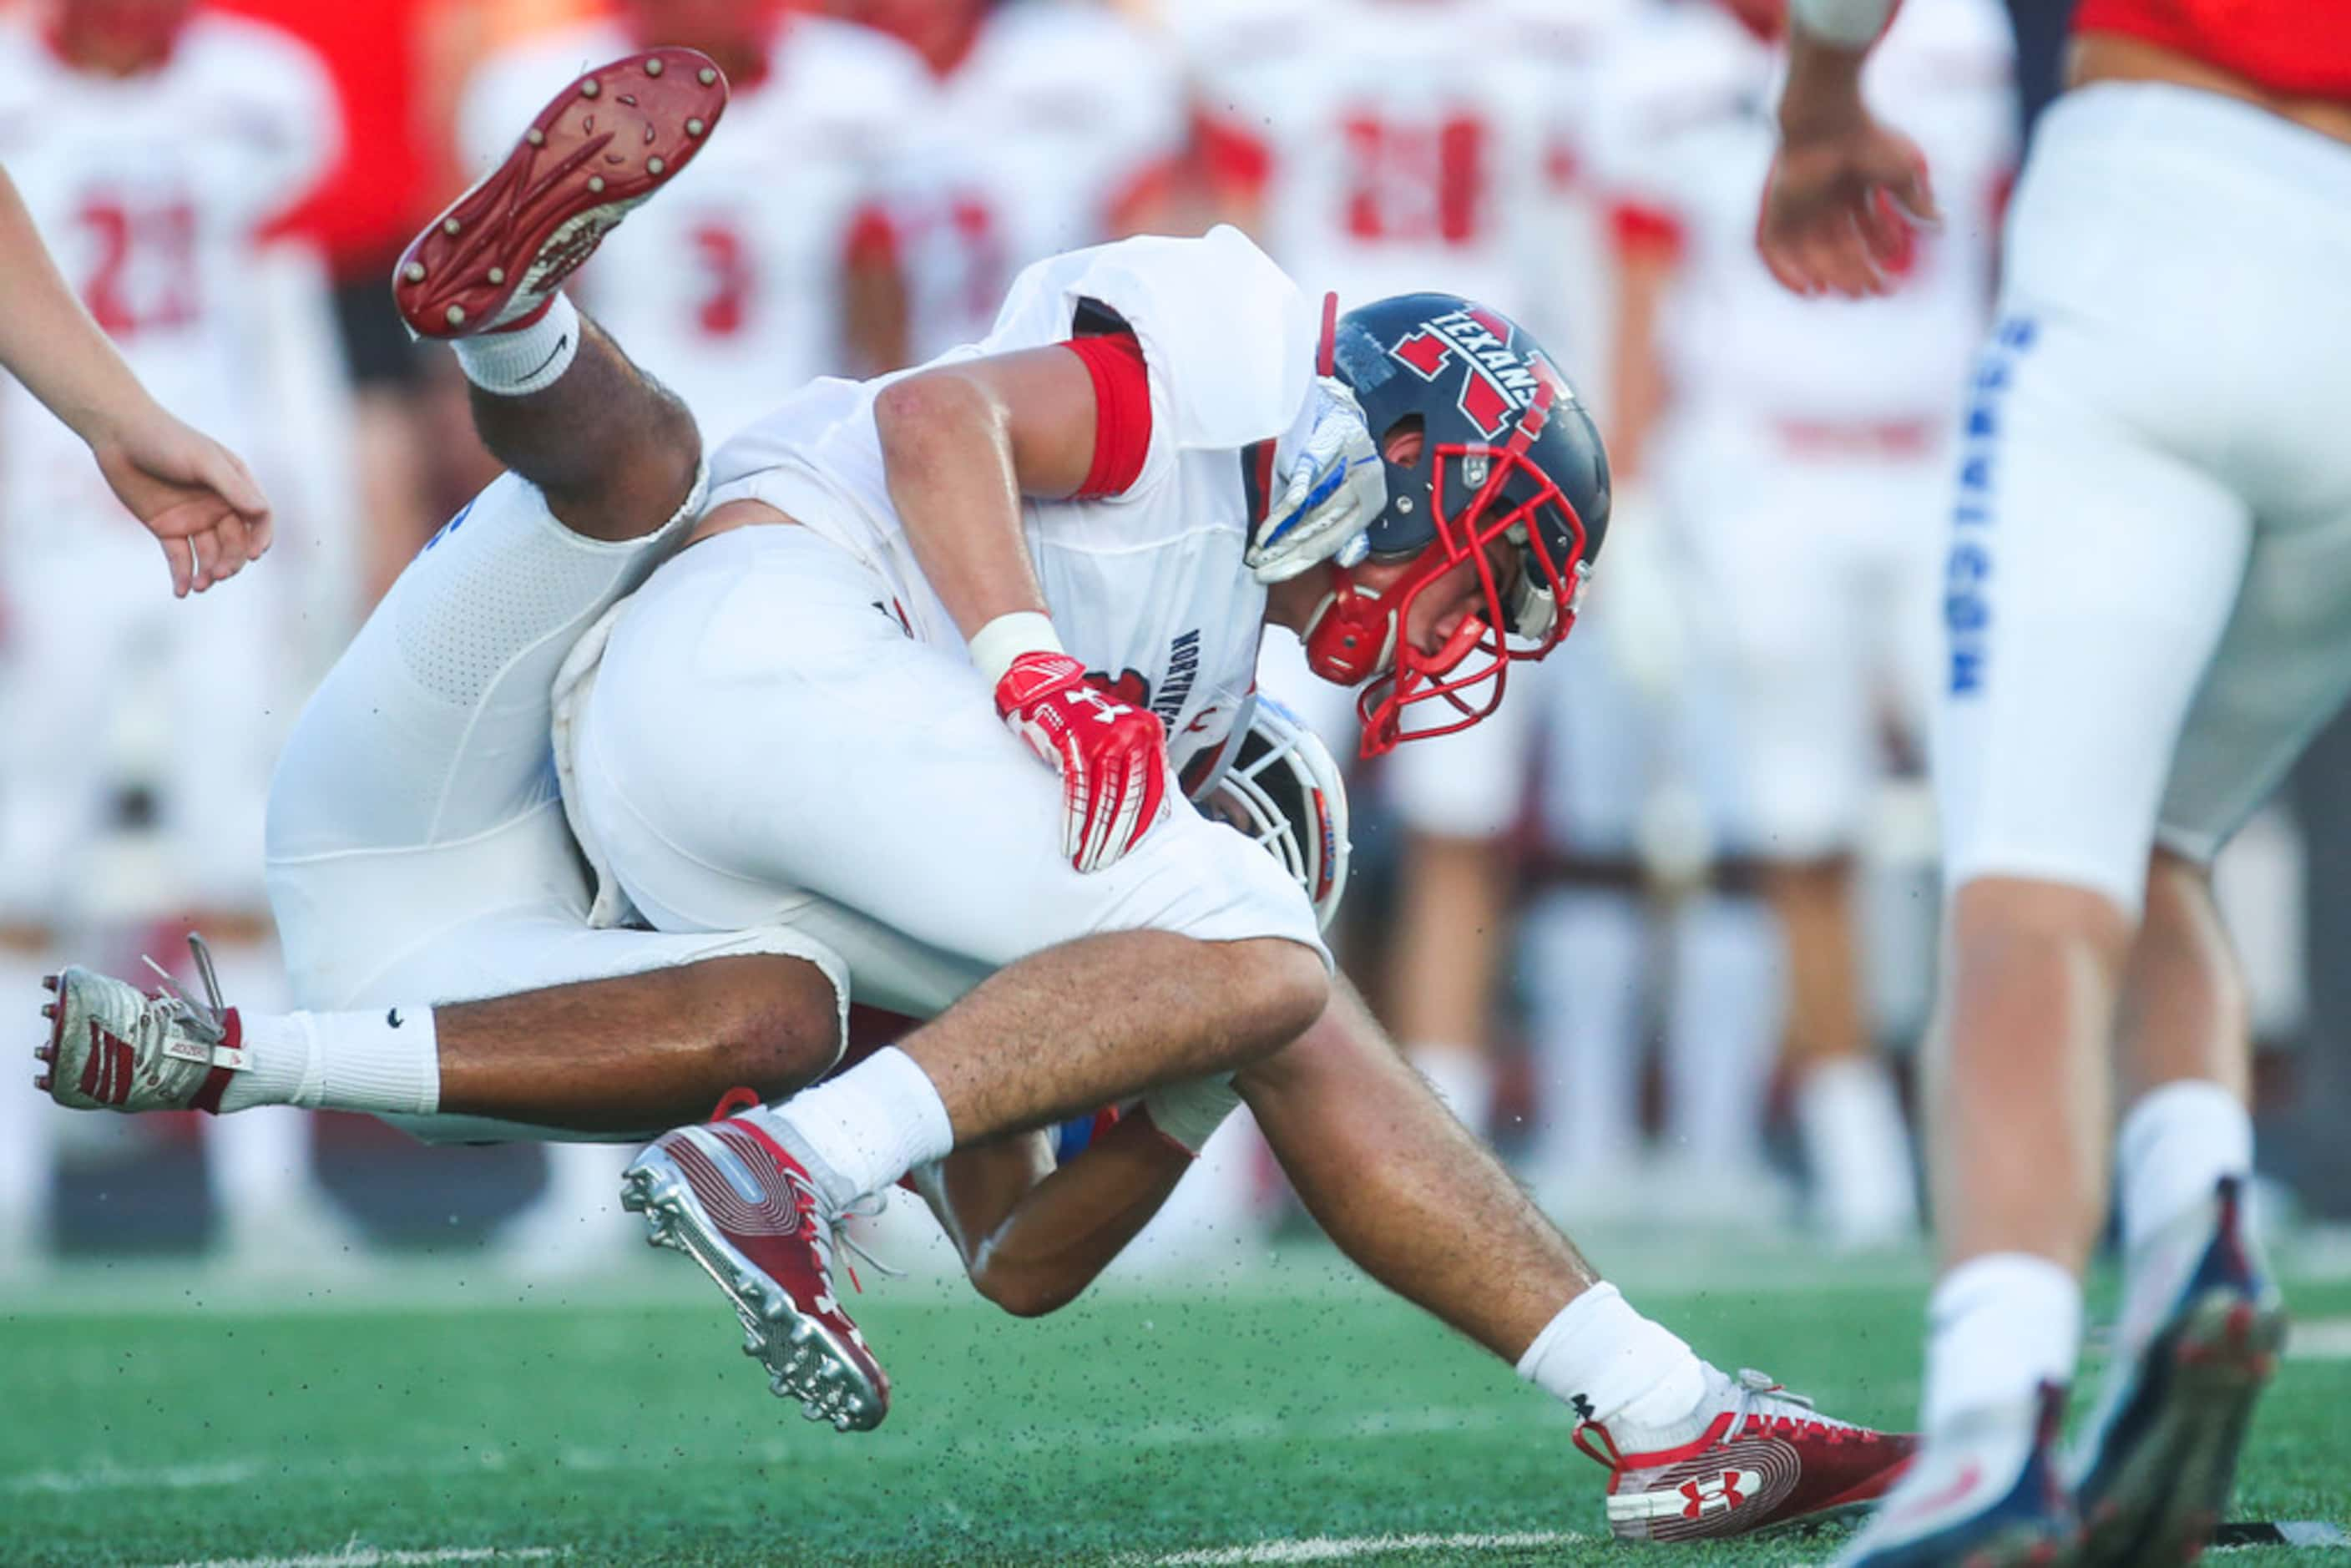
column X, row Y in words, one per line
column 1500, row 382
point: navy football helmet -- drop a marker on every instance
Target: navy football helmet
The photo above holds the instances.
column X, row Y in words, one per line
column 1507, row 454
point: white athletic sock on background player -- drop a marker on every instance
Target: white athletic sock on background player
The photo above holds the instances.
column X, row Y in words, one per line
column 2175, row 1144
column 1584, row 977
column 1857, row 1149
column 1998, row 1326
column 28, row 1121
column 1722, row 1025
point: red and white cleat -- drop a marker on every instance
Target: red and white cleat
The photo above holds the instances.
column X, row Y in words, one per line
column 113, row 1046
column 734, row 1200
column 607, row 143
column 1759, row 1458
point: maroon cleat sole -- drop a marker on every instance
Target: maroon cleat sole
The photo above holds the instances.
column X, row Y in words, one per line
column 606, row 143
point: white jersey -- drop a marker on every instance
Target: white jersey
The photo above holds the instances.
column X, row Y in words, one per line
column 1401, row 145
column 1035, row 144
column 153, row 192
column 728, row 290
column 1148, row 587
column 1686, row 138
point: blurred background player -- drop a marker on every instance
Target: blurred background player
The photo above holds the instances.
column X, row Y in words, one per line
column 2148, row 600
column 1376, row 147
column 1800, row 450
column 1048, row 127
column 156, row 151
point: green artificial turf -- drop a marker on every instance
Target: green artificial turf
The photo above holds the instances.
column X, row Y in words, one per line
column 1129, row 1429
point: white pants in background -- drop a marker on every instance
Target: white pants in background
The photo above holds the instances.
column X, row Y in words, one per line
column 2148, row 590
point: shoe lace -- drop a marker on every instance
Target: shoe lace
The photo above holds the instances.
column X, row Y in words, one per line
column 1765, row 1409
column 830, row 1228
column 208, row 1018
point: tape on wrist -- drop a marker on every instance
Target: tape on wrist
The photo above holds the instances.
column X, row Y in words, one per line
column 995, row 646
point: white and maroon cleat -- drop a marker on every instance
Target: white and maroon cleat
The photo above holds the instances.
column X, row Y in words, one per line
column 734, row 1200
column 607, row 143
column 113, row 1046
column 1760, row 1458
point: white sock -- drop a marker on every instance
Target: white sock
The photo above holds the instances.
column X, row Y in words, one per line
column 257, row 1165
column 869, row 1127
column 523, row 360
column 2177, row 1144
column 1722, row 1030
column 1463, row 1078
column 1857, row 1148
column 1998, row 1326
column 1608, row 1362
column 1583, row 968
column 386, row 1062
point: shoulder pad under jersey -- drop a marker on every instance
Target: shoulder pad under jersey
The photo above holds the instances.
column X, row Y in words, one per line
column 1229, row 339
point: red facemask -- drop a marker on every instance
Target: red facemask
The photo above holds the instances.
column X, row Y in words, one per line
column 1356, row 634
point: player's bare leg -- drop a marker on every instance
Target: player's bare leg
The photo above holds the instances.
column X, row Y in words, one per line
column 1413, row 1196
column 2201, row 1319
column 1856, row 1143
column 1425, row 1208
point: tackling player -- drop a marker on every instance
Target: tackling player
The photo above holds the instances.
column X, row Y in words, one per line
column 418, row 849
column 2148, row 600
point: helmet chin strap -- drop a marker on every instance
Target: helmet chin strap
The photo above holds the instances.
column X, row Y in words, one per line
column 1351, row 635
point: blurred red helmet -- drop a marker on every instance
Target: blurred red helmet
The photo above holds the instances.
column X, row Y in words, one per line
column 119, row 34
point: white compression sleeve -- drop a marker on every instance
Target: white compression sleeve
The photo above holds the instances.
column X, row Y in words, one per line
column 1847, row 24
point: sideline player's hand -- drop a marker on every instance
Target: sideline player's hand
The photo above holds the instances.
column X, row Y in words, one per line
column 1112, row 757
column 1843, row 196
column 1338, row 486
column 192, row 494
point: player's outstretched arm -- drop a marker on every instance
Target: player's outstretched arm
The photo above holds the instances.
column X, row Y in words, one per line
column 1033, row 1237
column 1843, row 190
column 962, row 444
column 193, row 494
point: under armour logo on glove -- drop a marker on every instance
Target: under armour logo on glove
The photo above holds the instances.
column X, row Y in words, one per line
column 1112, row 757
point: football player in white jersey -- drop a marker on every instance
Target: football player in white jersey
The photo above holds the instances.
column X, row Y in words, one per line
column 1801, row 459
column 418, row 843
column 1377, row 146
column 760, row 270
column 155, row 150
column 1048, row 127
column 2147, row 602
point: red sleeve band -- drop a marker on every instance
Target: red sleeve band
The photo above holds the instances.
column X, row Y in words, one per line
column 1122, row 413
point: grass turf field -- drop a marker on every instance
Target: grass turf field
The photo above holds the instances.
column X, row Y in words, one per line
column 484, row 1421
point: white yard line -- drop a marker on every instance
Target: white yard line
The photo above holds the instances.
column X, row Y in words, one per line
column 1342, row 1548
column 372, row 1557
column 2320, row 1339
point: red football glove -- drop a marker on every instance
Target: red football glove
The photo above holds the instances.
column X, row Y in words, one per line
column 1112, row 758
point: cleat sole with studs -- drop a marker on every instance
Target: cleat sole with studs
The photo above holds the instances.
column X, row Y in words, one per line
column 802, row 1361
column 606, row 143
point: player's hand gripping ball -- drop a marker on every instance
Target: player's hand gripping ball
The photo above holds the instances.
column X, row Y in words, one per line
column 1112, row 757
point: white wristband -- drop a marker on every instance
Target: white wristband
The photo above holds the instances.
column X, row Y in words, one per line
column 1847, row 24
column 995, row 646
